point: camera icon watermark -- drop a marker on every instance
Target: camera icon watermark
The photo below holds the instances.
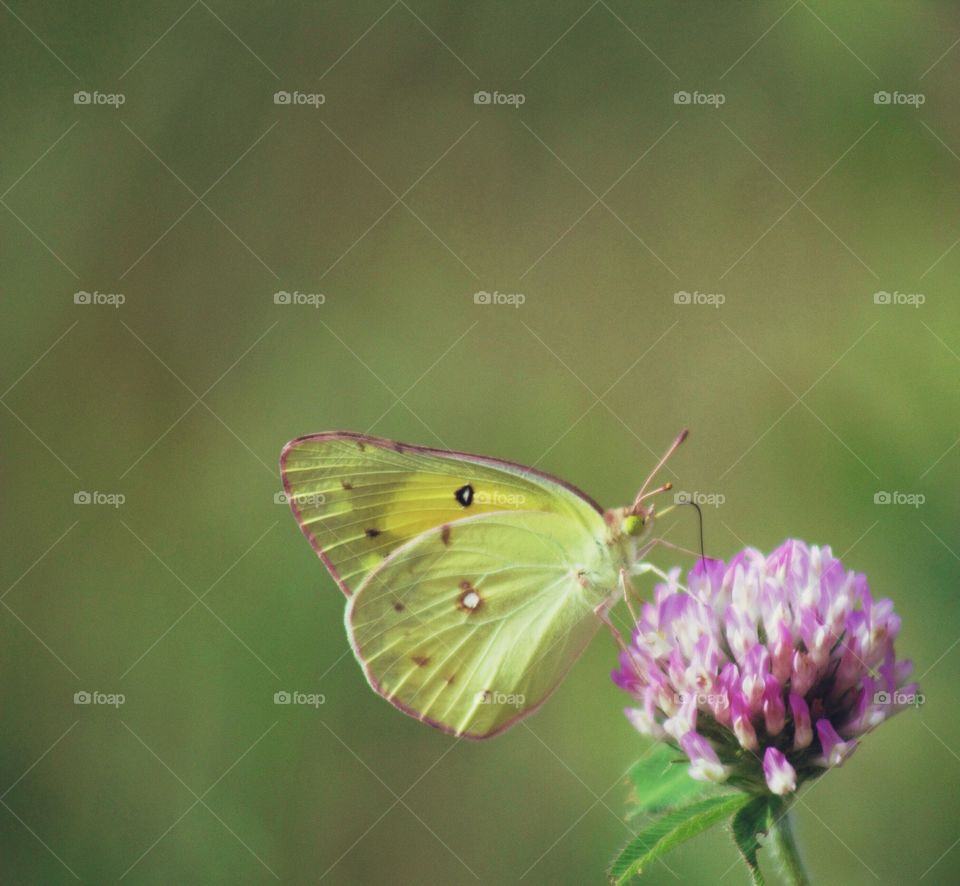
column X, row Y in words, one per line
column 504, row 500
column 111, row 699
column 712, row 99
column 112, row 299
column 704, row 499
column 310, row 99
column 912, row 499
column 514, row 99
column 912, row 99
column 301, row 499
column 112, row 499
column 296, row 697
column 912, row 299
column 715, row 700
column 111, row 99
column 492, row 696
column 514, row 299
column 898, row 698
column 711, row 299
column 310, row 299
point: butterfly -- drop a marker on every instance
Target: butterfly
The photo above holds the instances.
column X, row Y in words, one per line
column 473, row 583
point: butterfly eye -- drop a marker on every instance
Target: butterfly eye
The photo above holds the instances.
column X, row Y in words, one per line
column 633, row 524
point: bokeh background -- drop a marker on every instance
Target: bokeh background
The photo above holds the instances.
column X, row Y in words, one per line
column 397, row 199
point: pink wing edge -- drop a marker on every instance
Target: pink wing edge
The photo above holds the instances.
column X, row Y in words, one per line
column 384, row 443
column 429, row 721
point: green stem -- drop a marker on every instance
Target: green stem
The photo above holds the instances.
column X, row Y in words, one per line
column 784, row 847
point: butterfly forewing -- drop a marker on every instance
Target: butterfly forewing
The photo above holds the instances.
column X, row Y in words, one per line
column 359, row 498
column 471, row 628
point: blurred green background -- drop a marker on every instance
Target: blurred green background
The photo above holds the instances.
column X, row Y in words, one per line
column 599, row 198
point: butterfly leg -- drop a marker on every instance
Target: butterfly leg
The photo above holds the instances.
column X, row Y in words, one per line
column 626, row 586
column 673, row 547
column 643, row 567
column 602, row 611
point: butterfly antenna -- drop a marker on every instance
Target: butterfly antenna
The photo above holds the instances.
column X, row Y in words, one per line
column 703, row 556
column 645, row 495
column 642, row 494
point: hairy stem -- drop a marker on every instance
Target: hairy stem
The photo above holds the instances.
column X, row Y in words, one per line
column 784, row 847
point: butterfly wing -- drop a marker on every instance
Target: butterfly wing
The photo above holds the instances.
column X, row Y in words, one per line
column 359, row 498
column 471, row 629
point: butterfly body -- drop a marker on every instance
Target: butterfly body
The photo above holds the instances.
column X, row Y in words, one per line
column 473, row 583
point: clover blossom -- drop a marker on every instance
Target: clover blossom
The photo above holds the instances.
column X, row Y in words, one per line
column 765, row 671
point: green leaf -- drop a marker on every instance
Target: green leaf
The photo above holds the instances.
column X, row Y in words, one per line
column 670, row 830
column 660, row 782
column 753, row 819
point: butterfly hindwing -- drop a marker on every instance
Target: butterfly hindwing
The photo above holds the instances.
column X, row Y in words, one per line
column 471, row 626
column 359, row 498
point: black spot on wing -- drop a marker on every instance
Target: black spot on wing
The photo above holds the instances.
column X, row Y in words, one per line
column 464, row 495
column 372, row 533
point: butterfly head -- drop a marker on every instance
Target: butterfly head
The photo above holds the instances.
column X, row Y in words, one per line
column 630, row 525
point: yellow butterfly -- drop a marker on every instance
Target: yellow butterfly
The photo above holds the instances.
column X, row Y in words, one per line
column 473, row 583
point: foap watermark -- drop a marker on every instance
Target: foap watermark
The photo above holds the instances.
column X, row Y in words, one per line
column 111, row 699
column 499, row 98
column 111, row 99
column 712, row 299
column 704, row 499
column 301, row 499
column 482, row 297
column 913, row 499
column 113, row 299
column 715, row 700
column 492, row 696
column 913, row 99
column 714, row 99
column 912, row 299
column 311, row 299
column 899, row 698
column 501, row 499
column 296, row 697
column 112, row 499
column 310, row 99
